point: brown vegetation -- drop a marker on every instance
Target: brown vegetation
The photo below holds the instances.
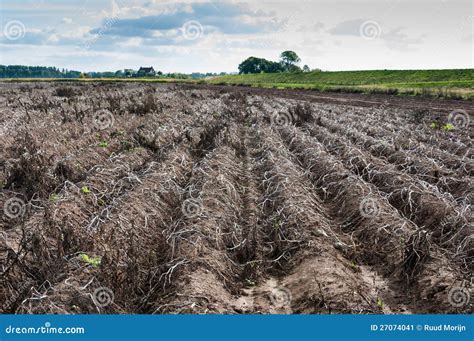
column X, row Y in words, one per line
column 132, row 198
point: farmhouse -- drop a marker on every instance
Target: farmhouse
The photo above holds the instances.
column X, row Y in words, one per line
column 146, row 71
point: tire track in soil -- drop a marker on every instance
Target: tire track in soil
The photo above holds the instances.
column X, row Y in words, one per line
column 259, row 286
column 350, row 99
column 251, row 218
column 254, row 261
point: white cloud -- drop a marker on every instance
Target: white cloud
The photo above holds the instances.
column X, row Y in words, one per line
column 149, row 32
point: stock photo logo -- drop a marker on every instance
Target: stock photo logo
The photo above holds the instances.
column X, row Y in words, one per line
column 369, row 207
column 192, row 30
column 281, row 119
column 103, row 119
column 103, row 297
column 192, row 208
column 14, row 30
column 370, row 30
column 280, row 297
column 14, row 208
column 460, row 119
column 459, row 297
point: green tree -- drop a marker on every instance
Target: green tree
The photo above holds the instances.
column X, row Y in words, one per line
column 306, row 68
column 289, row 59
column 258, row 65
column 128, row 72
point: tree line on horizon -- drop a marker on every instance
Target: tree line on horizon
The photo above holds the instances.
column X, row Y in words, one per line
column 288, row 63
column 23, row 71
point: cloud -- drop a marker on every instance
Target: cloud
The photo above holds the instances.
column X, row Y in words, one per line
column 122, row 25
column 224, row 18
column 46, row 36
column 348, row 28
column 130, row 33
column 394, row 38
column 397, row 40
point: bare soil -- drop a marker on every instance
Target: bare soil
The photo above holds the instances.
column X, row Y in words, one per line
column 169, row 199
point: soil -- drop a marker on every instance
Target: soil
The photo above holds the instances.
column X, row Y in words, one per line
column 172, row 199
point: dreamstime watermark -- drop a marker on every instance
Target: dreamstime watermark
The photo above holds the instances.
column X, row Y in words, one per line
column 280, row 297
column 46, row 329
column 459, row 297
column 459, row 119
column 103, row 297
column 103, row 119
column 14, row 30
column 14, row 208
column 369, row 207
column 192, row 30
column 370, row 30
column 254, row 133
column 383, row 105
column 191, row 208
column 281, row 119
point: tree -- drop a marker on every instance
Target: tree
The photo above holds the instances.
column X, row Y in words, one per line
column 289, row 59
column 306, row 68
column 128, row 72
column 258, row 65
column 12, row 71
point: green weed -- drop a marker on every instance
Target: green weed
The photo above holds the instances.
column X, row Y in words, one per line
column 94, row 261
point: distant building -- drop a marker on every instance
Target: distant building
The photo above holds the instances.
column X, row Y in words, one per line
column 146, row 71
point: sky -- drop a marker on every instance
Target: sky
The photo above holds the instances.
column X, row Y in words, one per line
column 109, row 35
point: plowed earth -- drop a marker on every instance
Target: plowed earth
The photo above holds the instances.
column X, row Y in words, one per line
column 134, row 198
